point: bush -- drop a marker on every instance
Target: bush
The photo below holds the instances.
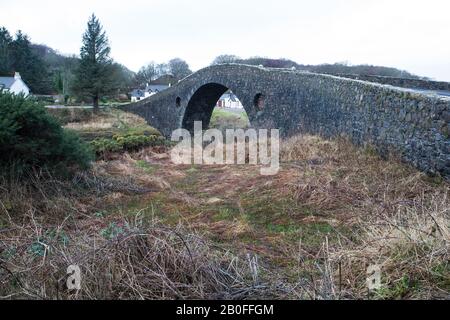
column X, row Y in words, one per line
column 126, row 142
column 45, row 99
column 104, row 145
column 32, row 138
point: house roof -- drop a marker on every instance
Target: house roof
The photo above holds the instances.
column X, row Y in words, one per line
column 166, row 79
column 7, row 82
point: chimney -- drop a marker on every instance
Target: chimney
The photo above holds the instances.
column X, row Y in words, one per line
column 17, row 76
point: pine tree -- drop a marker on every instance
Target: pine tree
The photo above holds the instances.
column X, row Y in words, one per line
column 16, row 55
column 5, row 52
column 94, row 76
column 59, row 83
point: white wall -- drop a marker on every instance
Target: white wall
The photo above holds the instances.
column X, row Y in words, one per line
column 227, row 103
column 19, row 87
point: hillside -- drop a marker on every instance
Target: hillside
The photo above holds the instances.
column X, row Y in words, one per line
column 60, row 71
column 336, row 68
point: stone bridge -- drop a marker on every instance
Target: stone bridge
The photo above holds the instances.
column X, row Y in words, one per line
column 413, row 124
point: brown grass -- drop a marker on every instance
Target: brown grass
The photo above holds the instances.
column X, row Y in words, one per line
column 48, row 225
column 114, row 119
column 381, row 212
column 141, row 261
column 402, row 217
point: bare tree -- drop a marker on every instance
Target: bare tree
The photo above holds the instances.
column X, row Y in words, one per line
column 176, row 67
column 147, row 73
column 179, row 68
column 225, row 58
column 162, row 69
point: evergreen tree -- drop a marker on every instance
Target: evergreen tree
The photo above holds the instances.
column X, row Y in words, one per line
column 31, row 68
column 5, row 52
column 17, row 55
column 59, row 83
column 94, row 76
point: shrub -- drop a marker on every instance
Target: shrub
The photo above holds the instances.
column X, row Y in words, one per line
column 104, row 145
column 136, row 141
column 126, row 142
column 32, row 138
column 44, row 99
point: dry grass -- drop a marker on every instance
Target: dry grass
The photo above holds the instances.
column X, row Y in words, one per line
column 402, row 217
column 49, row 227
column 385, row 213
column 412, row 249
column 130, row 261
column 115, row 119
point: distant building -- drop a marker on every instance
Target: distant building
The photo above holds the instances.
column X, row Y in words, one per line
column 137, row 95
column 153, row 87
column 150, row 89
column 229, row 100
column 14, row 85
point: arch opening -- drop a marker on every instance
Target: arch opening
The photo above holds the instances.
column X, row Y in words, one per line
column 216, row 106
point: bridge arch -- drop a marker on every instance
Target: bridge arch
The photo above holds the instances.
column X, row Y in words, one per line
column 201, row 104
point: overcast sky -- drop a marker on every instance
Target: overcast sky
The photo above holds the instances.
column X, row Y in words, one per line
column 408, row 34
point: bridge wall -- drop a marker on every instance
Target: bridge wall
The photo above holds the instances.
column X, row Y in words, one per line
column 415, row 125
column 401, row 82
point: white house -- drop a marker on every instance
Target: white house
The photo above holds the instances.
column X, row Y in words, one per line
column 137, row 95
column 140, row 94
column 14, row 85
column 156, row 86
column 152, row 89
column 229, row 100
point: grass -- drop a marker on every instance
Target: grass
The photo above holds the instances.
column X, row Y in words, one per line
column 148, row 169
column 141, row 227
column 223, row 119
column 397, row 290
